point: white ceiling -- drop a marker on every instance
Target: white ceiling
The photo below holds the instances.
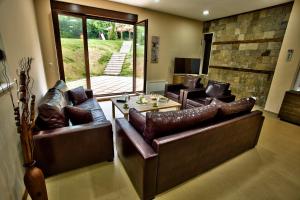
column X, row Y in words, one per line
column 194, row 8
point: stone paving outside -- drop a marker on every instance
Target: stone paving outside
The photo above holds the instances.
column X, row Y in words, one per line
column 109, row 84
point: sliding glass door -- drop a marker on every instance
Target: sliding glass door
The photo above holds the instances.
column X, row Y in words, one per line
column 72, row 46
column 110, row 56
column 106, row 56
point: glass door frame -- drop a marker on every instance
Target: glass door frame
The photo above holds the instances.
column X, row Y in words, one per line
column 85, row 12
column 145, row 53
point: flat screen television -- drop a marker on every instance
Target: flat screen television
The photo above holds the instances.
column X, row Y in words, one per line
column 187, row 66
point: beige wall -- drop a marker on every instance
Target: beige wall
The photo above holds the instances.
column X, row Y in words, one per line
column 178, row 37
column 18, row 30
column 286, row 72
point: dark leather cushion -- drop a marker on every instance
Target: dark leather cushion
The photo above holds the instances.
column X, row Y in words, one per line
column 241, row 106
column 222, row 84
column 215, row 90
column 78, row 115
column 61, row 85
column 137, row 120
column 160, row 124
column 93, row 106
column 51, row 114
column 199, row 101
column 77, row 95
column 191, row 82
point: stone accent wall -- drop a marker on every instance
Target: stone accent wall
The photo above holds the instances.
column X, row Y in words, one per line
column 250, row 42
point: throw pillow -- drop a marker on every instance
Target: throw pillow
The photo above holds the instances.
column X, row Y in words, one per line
column 51, row 114
column 77, row 95
column 78, row 115
column 159, row 124
column 241, row 106
column 191, row 82
column 215, row 90
column 137, row 120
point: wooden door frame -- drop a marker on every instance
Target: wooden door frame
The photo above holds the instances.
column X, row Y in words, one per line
column 86, row 12
column 145, row 53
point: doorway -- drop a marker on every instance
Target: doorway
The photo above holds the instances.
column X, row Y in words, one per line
column 104, row 54
column 208, row 37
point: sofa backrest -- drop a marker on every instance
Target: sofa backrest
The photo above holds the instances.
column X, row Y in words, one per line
column 51, row 109
column 189, row 153
column 159, row 124
column 191, row 81
column 216, row 89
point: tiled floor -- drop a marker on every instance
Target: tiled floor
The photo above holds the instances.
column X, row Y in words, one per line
column 269, row 171
column 109, row 84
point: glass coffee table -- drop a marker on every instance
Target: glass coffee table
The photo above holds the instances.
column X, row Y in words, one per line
column 151, row 104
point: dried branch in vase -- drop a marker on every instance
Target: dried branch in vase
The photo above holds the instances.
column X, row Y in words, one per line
column 24, row 118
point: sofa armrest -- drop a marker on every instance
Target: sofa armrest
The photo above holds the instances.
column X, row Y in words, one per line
column 138, row 158
column 67, row 148
column 192, row 93
column 89, row 93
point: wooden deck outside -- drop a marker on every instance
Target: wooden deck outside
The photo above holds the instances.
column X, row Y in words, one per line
column 108, row 84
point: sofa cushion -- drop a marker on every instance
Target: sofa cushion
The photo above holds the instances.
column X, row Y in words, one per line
column 51, row 114
column 137, row 120
column 241, row 106
column 160, row 124
column 61, row 85
column 191, row 82
column 78, row 115
column 224, row 85
column 216, row 89
column 77, row 95
column 199, row 101
column 93, row 106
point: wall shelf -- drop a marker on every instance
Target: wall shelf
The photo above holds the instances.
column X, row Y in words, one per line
column 249, row 41
column 243, row 69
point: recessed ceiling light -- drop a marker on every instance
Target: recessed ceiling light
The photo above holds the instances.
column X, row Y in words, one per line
column 205, row 12
column 156, row 1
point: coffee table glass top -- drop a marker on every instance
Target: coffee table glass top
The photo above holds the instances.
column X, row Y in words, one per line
column 150, row 104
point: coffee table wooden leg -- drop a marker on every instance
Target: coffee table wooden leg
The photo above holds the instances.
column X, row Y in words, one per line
column 113, row 110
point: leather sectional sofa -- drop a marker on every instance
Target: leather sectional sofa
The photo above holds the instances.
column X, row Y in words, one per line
column 60, row 146
column 162, row 150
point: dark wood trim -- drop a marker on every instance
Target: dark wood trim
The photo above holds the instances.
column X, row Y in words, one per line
column 279, row 5
column 58, row 45
column 134, row 59
column 145, row 54
column 86, row 53
column 243, row 69
column 249, row 41
column 93, row 12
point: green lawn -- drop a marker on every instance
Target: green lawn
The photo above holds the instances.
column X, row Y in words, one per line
column 100, row 52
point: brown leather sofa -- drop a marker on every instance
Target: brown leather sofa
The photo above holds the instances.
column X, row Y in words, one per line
column 173, row 157
column 59, row 147
column 203, row 96
column 175, row 91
